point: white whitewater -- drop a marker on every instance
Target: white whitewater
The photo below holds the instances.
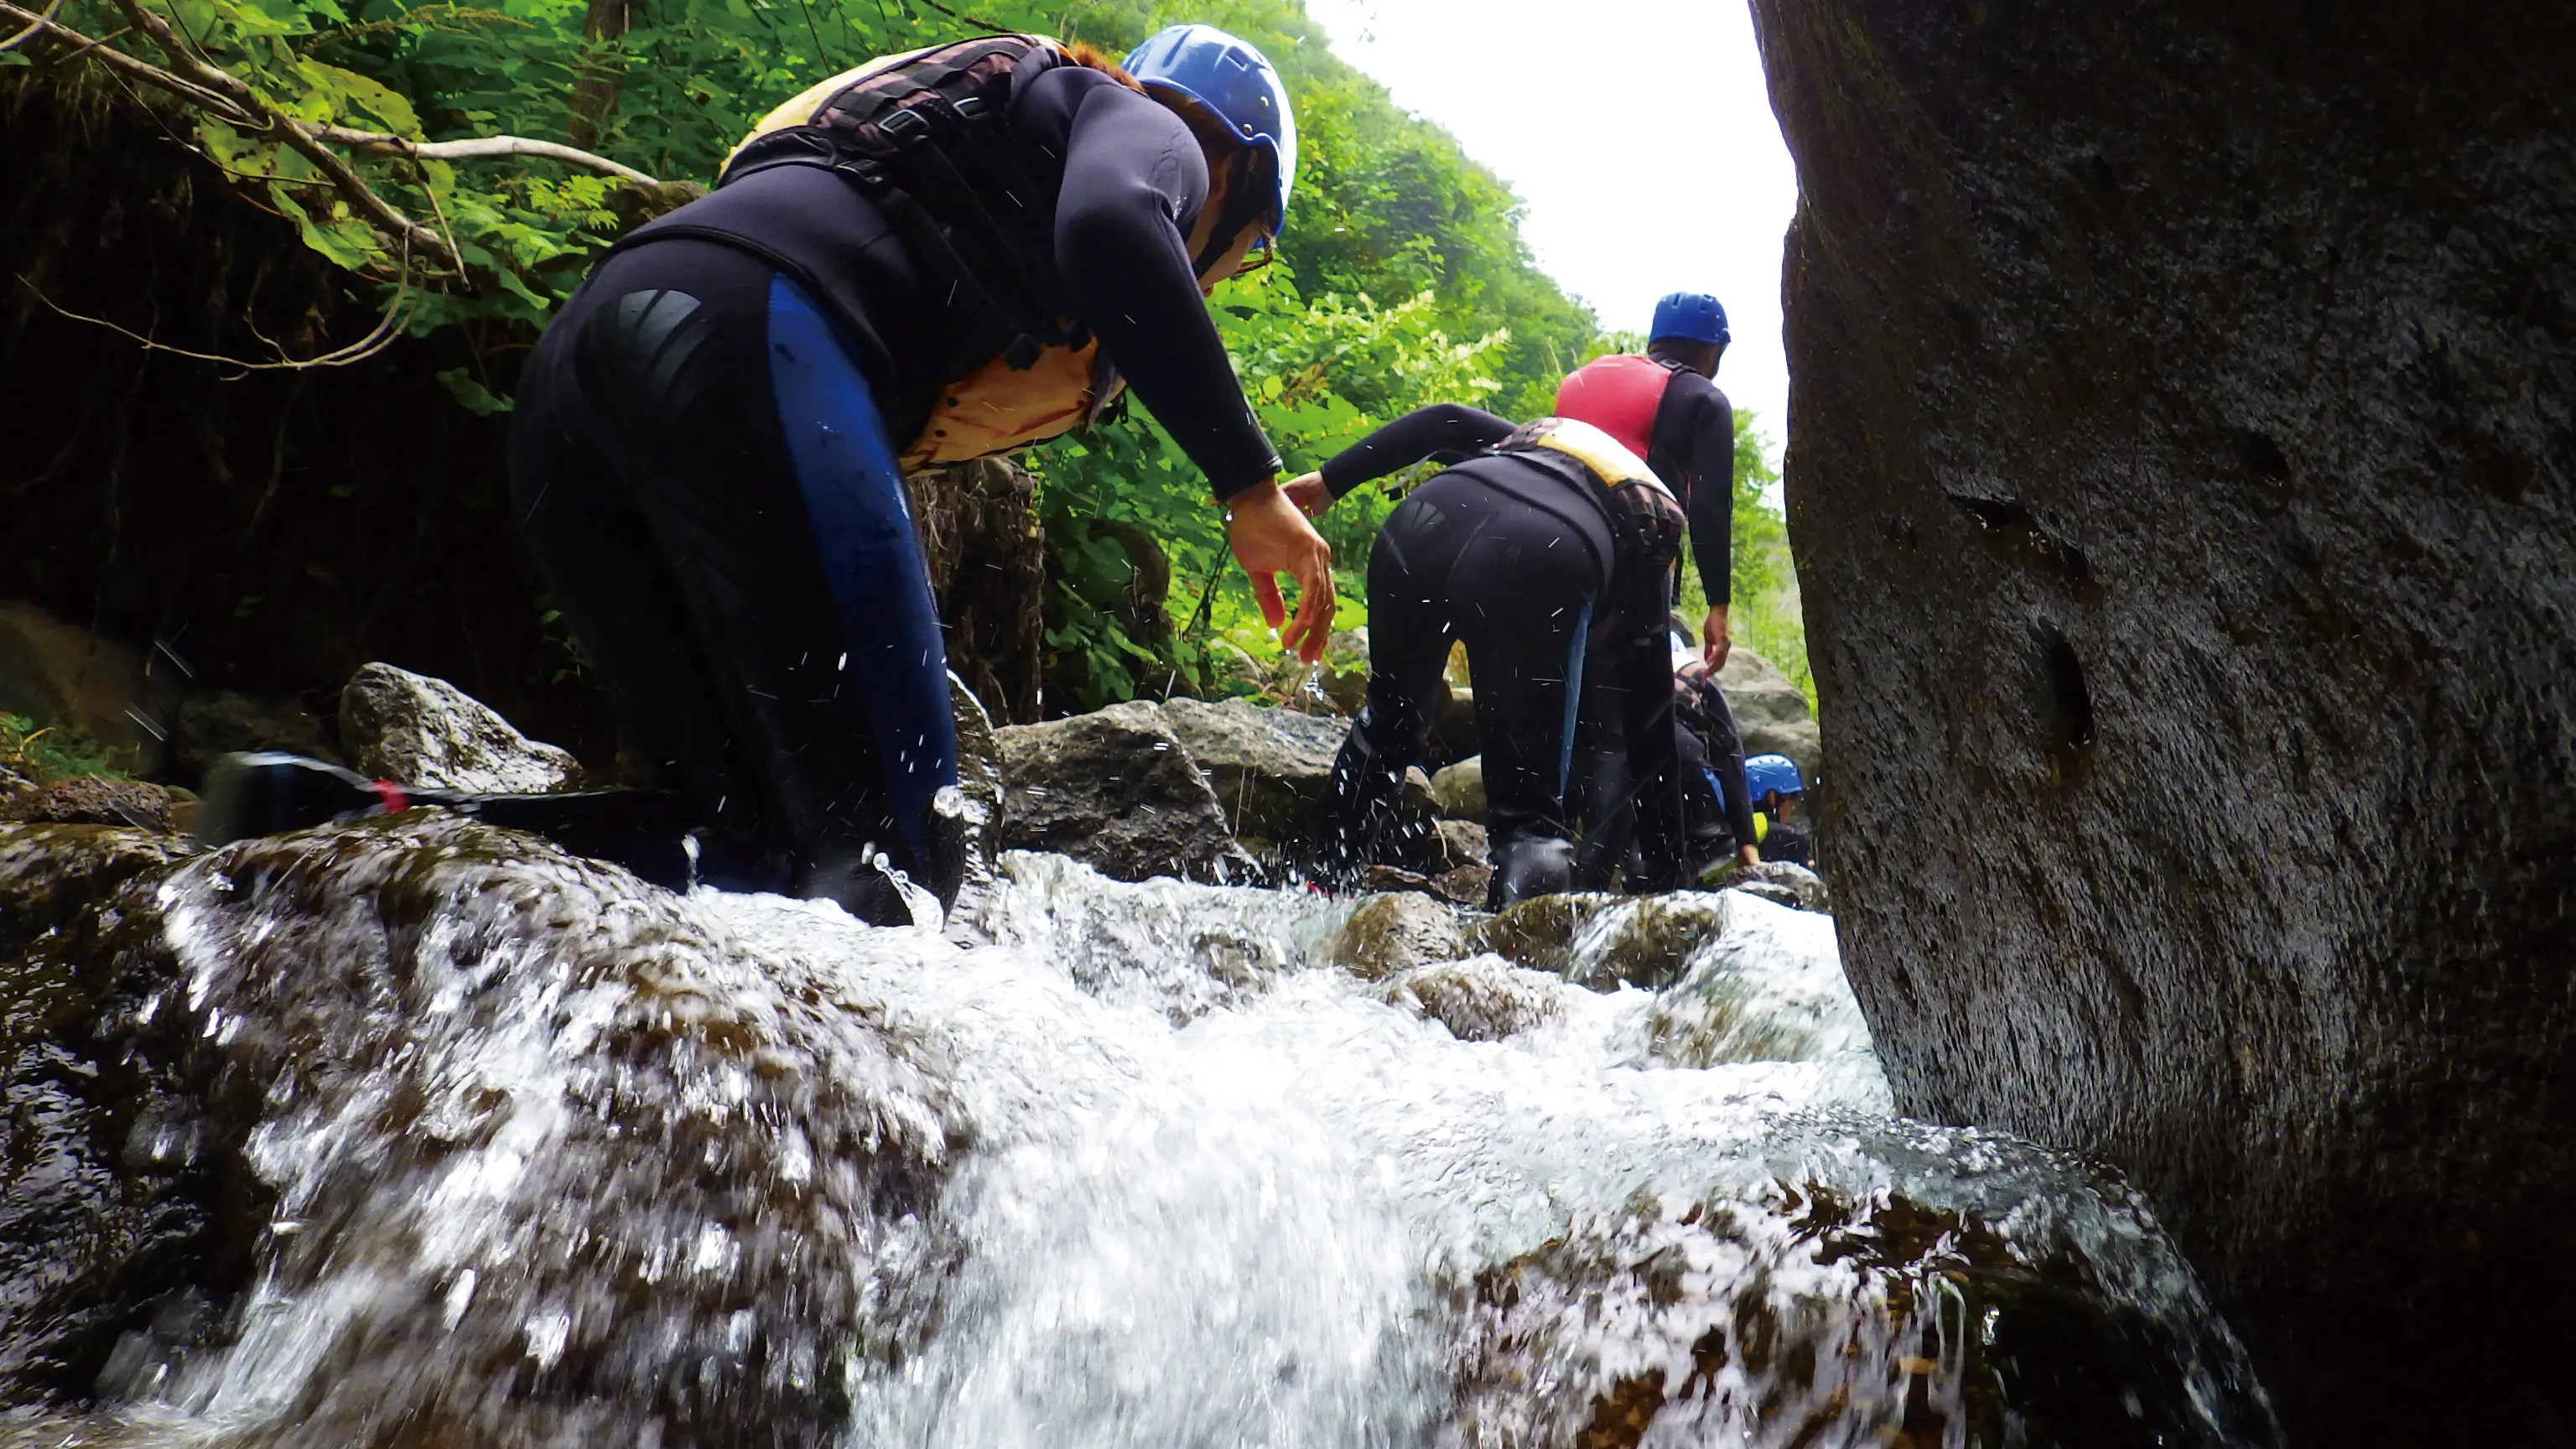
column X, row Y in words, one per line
column 562, row 1160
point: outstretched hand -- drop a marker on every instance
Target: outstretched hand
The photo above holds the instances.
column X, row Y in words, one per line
column 1309, row 492
column 1271, row 536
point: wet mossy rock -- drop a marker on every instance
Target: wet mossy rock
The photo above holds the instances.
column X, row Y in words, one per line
column 1829, row 1317
column 2183, row 481
column 1389, row 934
column 1478, row 999
column 127, row 1208
column 1644, row 941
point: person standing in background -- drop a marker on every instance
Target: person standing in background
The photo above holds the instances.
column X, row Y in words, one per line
column 1665, row 407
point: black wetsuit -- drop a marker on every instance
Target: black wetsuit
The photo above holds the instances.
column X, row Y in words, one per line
column 1694, row 453
column 1514, row 553
column 1717, row 812
column 705, row 464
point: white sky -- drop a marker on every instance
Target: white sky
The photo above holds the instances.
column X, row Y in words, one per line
column 1682, row 184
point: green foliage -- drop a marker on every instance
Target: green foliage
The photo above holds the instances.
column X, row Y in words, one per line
column 1406, row 280
column 49, row 753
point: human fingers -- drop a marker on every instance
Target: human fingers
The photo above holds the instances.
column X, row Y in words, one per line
column 1265, row 592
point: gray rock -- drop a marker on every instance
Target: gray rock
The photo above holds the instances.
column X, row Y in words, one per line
column 1778, row 881
column 95, row 800
column 2181, row 480
column 1769, row 711
column 1459, row 790
column 1478, row 999
column 1268, row 766
column 398, row 725
column 215, row 722
column 1458, row 843
column 1117, row 790
column 1605, row 941
column 57, row 673
column 1386, row 935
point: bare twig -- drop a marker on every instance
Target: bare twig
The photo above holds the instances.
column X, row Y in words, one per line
column 480, row 148
column 387, row 329
column 52, row 9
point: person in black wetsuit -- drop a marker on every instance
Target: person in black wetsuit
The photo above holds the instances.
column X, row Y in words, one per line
column 1536, row 547
column 949, row 255
column 1665, row 407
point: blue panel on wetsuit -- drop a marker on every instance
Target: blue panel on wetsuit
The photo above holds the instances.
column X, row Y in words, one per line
column 853, row 491
column 1573, row 699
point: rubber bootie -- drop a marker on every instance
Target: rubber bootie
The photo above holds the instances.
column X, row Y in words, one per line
column 244, row 796
column 1533, row 866
column 851, row 879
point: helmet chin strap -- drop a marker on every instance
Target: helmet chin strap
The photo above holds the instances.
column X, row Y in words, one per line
column 1232, row 212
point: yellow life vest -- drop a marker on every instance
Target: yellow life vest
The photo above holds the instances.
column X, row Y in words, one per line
column 1608, row 458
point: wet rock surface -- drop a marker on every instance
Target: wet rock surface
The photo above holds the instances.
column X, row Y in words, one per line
column 95, row 800
column 1387, row 935
column 397, row 725
column 1779, row 881
column 1688, row 1322
column 574, row 1166
column 1605, row 941
column 1116, row 790
column 1268, row 766
column 127, row 1207
column 1478, row 999
column 2184, row 472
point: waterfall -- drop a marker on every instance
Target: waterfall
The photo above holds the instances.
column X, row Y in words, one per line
column 560, row 1159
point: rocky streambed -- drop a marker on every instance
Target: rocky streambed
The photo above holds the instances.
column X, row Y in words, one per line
column 419, row 1131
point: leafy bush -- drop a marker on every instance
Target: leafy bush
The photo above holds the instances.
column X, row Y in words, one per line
column 47, row 753
column 1406, row 280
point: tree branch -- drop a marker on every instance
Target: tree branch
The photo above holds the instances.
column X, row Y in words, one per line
column 479, row 148
column 208, row 87
column 351, row 186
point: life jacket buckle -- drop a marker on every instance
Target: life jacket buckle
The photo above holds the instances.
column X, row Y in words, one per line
column 1023, row 352
column 904, row 127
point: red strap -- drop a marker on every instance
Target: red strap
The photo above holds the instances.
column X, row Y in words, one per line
column 392, row 794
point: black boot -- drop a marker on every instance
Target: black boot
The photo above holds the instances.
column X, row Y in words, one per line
column 1534, row 865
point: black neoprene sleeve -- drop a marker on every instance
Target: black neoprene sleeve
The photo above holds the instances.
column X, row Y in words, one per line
column 1134, row 180
column 1448, row 431
column 1696, row 424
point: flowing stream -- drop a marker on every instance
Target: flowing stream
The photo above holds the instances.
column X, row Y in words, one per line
column 558, row 1160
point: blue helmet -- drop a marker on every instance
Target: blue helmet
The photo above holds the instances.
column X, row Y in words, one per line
column 1693, row 316
column 1766, row 773
column 1235, row 82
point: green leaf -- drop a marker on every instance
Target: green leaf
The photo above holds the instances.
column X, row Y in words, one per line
column 477, row 399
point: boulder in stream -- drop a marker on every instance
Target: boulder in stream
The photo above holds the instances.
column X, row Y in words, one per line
column 1481, row 998
column 397, row 725
column 1118, row 791
column 1820, row 1312
column 2183, row 477
column 1386, row 935
column 1268, row 766
column 520, row 1147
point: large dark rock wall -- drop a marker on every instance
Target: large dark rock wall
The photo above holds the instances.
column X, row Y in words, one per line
column 2182, row 476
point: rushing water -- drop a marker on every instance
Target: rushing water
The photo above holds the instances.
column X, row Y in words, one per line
column 563, row 1160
